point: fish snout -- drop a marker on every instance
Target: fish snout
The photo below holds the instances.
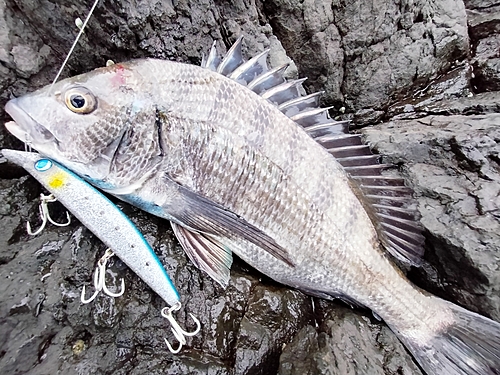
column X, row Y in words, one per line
column 24, row 126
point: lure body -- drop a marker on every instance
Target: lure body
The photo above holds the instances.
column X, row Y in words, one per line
column 102, row 218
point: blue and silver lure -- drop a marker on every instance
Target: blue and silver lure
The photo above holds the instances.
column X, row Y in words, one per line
column 111, row 226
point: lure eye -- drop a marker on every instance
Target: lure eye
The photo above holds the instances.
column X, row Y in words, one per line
column 43, row 165
column 80, row 100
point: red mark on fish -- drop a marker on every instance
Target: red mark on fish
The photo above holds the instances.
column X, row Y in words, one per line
column 119, row 77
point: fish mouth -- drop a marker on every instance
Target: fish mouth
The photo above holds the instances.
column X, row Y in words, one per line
column 25, row 128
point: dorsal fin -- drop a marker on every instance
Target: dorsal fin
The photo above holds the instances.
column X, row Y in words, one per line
column 388, row 201
column 251, row 69
column 268, row 80
column 212, row 61
column 232, row 60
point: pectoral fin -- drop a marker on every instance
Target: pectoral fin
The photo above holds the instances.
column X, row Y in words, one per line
column 202, row 215
column 206, row 253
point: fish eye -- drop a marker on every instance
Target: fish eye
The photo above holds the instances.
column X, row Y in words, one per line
column 80, row 100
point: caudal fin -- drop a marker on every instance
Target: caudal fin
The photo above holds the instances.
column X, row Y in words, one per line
column 469, row 346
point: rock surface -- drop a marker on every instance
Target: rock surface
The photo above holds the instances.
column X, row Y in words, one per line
column 421, row 78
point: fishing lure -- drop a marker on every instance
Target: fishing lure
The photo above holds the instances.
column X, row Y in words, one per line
column 112, row 227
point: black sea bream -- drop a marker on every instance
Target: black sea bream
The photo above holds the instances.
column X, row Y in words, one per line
column 239, row 161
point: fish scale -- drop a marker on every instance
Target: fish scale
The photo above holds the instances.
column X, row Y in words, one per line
column 310, row 166
column 244, row 203
column 297, row 198
column 314, row 161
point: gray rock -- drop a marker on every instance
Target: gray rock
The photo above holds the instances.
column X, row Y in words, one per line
column 376, row 60
column 346, row 343
column 484, row 26
column 391, row 49
column 452, row 163
column 484, row 22
column 479, row 4
column 370, row 53
column 473, row 104
column 487, row 65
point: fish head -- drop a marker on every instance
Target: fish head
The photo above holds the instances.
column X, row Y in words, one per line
column 78, row 121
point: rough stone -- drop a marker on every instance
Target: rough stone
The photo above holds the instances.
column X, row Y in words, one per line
column 483, row 23
column 366, row 347
column 480, row 4
column 452, row 163
column 487, row 64
column 404, row 66
column 400, row 49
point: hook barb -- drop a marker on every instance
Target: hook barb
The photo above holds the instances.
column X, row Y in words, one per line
column 43, row 210
column 100, row 280
column 179, row 333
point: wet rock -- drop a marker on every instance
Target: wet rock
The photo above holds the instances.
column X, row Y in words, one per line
column 368, row 55
column 484, row 26
column 307, row 29
column 480, row 4
column 452, row 163
column 377, row 61
column 271, row 320
column 346, row 342
column 483, row 23
column 474, row 104
column 391, row 47
column 487, row 65
column 449, row 89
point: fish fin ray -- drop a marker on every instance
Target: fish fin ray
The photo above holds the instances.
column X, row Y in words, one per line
column 232, row 60
column 284, row 92
column 470, row 345
column 349, row 150
column 268, row 80
column 206, row 253
column 249, row 70
column 301, row 104
column 387, row 200
column 200, row 214
column 212, row 61
column 331, row 296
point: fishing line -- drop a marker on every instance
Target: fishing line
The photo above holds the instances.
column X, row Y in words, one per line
column 82, row 28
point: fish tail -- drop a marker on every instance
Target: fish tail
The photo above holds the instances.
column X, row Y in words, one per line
column 470, row 345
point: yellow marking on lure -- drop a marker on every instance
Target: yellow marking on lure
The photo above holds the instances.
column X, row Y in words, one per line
column 57, row 180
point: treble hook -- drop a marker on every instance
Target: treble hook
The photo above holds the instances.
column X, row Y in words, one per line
column 178, row 332
column 100, row 280
column 43, row 210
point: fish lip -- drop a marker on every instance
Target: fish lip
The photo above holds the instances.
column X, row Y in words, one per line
column 25, row 127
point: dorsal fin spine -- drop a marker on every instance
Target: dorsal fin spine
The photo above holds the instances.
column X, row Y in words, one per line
column 314, row 112
column 293, row 102
column 232, row 60
column 245, row 67
column 348, row 149
column 258, row 81
column 283, row 92
column 211, row 61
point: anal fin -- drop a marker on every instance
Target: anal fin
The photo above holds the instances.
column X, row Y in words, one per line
column 206, row 253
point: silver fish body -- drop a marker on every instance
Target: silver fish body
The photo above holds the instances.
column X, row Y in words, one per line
column 235, row 174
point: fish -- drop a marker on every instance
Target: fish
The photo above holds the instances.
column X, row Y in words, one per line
column 109, row 224
column 240, row 161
